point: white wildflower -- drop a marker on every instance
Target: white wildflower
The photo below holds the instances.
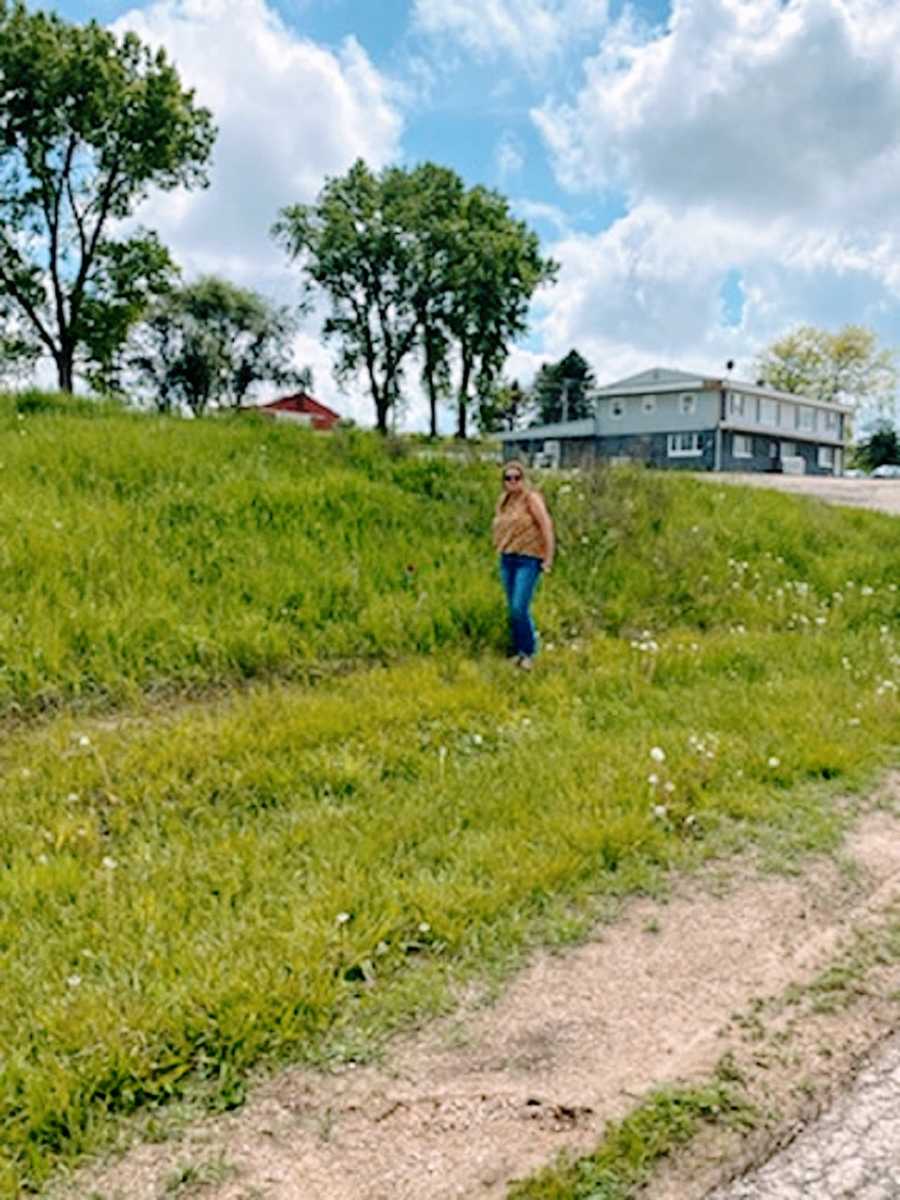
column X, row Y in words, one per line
column 854, row 721
column 669, row 786
column 109, row 864
column 660, row 811
column 342, row 918
column 774, row 762
column 424, row 927
column 653, row 780
column 73, row 981
column 658, row 754
column 865, row 590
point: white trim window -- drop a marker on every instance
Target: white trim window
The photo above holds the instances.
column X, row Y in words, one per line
column 826, row 458
column 736, row 404
column 743, row 446
column 768, row 411
column 806, row 418
column 687, row 404
column 684, row 445
column 617, row 409
column 648, row 404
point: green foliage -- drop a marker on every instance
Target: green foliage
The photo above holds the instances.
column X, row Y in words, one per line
column 89, row 124
column 274, row 551
column 881, row 446
column 410, row 260
column 208, row 343
column 562, row 390
column 847, row 366
column 632, row 1147
column 504, row 407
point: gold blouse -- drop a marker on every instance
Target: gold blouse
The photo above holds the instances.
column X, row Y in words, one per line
column 515, row 529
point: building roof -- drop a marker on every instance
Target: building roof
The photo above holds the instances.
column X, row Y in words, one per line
column 583, row 428
column 665, row 379
column 300, row 402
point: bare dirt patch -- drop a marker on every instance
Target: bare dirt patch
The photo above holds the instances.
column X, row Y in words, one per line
column 494, row 1092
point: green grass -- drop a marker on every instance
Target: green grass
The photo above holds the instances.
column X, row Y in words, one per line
column 632, row 1147
column 291, row 870
column 146, row 555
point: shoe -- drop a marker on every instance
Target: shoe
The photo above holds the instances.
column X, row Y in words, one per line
column 525, row 662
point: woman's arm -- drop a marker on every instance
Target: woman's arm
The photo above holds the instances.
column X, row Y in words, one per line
column 538, row 510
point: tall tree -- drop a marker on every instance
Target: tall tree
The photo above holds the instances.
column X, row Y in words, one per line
column 357, row 244
column 497, row 269
column 846, row 366
column 208, row 343
column 436, row 195
column 89, row 124
column 562, row 390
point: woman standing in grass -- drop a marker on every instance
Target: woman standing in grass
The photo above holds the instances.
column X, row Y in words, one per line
column 523, row 534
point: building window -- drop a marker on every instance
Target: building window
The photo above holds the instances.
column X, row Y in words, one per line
column 786, row 416
column 687, row 403
column 806, row 418
column 617, row 408
column 736, row 404
column 788, row 449
column 743, row 446
column 826, row 457
column 683, row 445
column 648, row 404
column 773, row 449
column 768, row 412
column 832, row 419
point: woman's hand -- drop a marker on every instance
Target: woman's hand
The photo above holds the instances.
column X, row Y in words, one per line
column 547, row 566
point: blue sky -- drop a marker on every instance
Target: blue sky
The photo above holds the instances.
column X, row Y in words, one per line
column 708, row 173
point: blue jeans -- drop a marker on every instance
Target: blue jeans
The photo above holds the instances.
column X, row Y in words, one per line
column 520, row 574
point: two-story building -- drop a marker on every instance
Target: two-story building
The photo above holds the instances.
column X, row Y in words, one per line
column 676, row 419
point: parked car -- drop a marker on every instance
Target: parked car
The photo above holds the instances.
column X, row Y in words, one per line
column 855, row 473
column 887, row 471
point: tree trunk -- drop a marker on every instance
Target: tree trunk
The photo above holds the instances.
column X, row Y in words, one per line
column 462, row 405
column 65, row 369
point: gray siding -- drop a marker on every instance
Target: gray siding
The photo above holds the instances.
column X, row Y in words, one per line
column 666, row 416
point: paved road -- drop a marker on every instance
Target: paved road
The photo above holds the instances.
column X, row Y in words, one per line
column 881, row 494
column 851, row 1151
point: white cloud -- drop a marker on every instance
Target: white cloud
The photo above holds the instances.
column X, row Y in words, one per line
column 289, row 113
column 749, row 135
column 509, row 156
column 530, row 31
column 755, row 105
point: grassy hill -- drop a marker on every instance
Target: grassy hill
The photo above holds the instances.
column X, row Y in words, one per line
column 268, row 788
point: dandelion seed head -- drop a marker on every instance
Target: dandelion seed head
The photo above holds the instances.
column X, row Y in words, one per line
column 658, row 754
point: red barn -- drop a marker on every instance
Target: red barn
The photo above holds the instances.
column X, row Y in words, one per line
column 301, row 409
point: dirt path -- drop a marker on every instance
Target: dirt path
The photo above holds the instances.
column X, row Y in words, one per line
column 492, row 1093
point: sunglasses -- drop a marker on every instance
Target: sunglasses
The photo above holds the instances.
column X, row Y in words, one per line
column 511, row 478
